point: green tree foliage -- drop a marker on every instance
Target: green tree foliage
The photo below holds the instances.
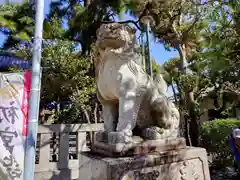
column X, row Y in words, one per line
column 64, row 78
column 17, row 23
column 178, row 24
column 219, row 53
column 65, row 75
column 83, row 19
column 214, row 137
column 195, row 83
column 206, row 37
column 156, row 68
column 214, row 65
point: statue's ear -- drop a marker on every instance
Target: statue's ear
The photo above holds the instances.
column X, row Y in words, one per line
column 131, row 29
column 134, row 30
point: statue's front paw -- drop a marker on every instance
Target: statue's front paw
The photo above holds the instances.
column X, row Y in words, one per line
column 101, row 136
column 165, row 122
column 118, row 137
column 152, row 133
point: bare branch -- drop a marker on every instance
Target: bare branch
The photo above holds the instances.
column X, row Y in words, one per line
column 125, row 22
column 192, row 25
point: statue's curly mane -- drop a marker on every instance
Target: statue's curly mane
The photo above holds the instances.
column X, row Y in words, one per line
column 126, row 49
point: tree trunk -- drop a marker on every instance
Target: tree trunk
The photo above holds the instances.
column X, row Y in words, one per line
column 194, row 119
column 188, row 101
column 183, row 119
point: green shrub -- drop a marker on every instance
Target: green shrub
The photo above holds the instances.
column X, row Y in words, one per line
column 214, row 137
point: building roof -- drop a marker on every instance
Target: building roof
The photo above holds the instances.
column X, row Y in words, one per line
column 8, row 60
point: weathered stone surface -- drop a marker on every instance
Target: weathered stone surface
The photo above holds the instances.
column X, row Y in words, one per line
column 138, row 147
column 185, row 164
column 129, row 96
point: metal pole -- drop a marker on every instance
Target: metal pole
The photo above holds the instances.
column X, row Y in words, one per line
column 143, row 51
column 148, row 44
column 30, row 148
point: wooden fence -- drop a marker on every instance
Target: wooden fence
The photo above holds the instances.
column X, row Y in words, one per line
column 59, row 148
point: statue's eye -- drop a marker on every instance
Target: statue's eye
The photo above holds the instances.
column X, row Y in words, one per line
column 128, row 28
column 131, row 30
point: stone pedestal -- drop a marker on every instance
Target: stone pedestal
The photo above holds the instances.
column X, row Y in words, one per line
column 184, row 164
column 138, row 147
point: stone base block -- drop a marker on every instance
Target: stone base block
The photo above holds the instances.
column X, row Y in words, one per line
column 184, row 164
column 138, row 148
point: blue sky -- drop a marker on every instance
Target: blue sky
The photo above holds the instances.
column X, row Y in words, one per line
column 157, row 50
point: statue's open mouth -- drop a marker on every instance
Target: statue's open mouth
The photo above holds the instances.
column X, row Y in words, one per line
column 112, row 42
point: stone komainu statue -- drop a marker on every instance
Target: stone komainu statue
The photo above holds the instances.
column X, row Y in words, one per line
column 131, row 99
